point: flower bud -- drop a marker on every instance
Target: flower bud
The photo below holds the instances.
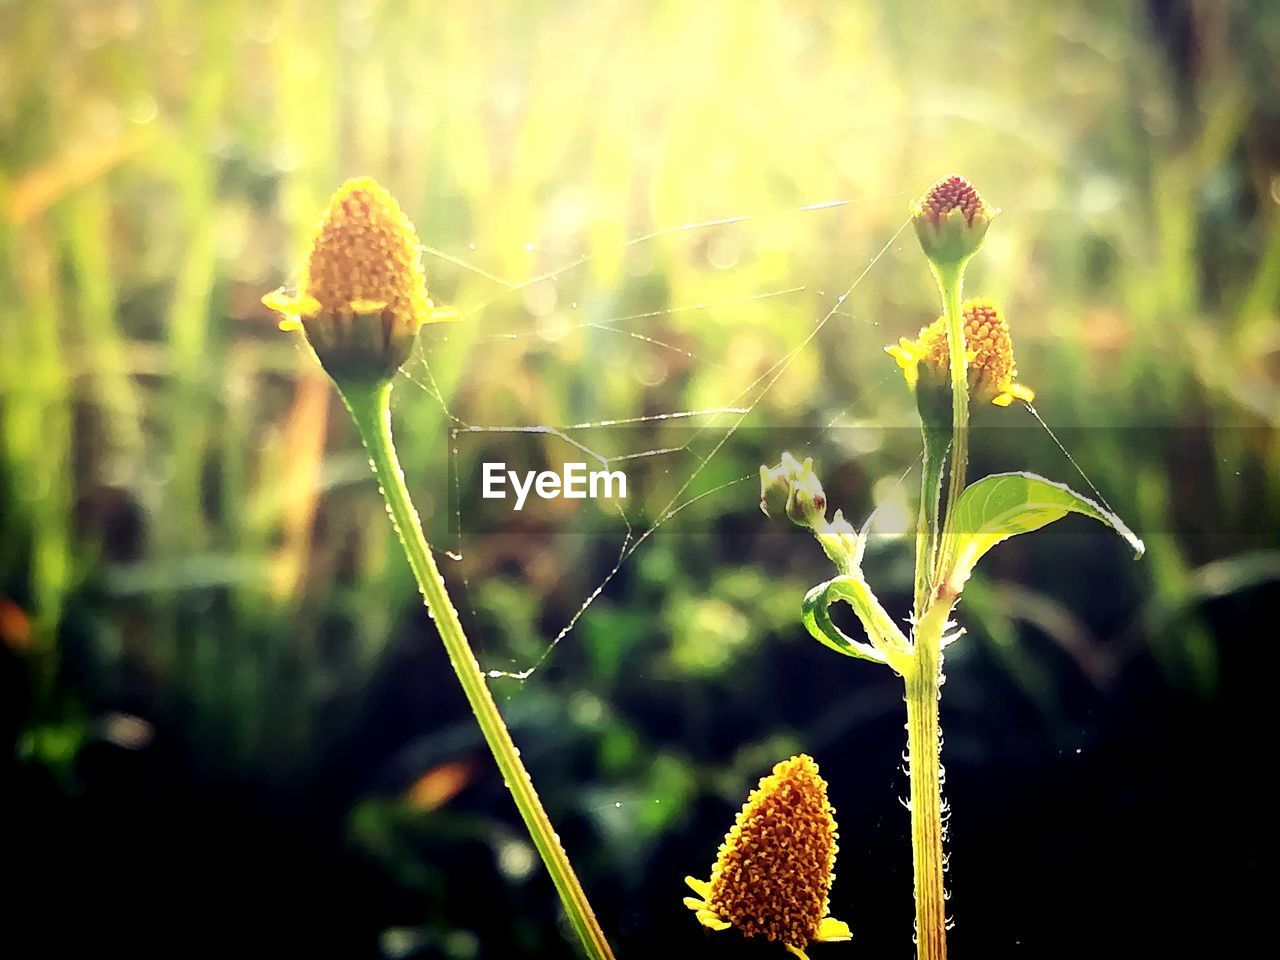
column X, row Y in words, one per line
column 951, row 220
column 793, row 489
column 362, row 296
column 807, row 504
column 775, row 486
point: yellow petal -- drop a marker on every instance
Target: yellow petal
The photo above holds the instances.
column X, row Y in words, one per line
column 1025, row 394
column 693, row 903
column 443, row 315
column 904, row 351
column 907, row 353
column 797, row 951
column 280, row 302
column 709, row 919
column 701, row 887
column 833, row 930
column 1010, row 392
column 290, row 323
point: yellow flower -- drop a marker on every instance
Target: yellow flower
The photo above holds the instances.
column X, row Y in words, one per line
column 989, row 349
column 363, row 295
column 774, row 869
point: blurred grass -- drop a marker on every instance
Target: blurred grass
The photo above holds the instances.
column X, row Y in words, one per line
column 187, row 525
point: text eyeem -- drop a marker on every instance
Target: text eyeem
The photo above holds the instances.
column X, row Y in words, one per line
column 574, row 482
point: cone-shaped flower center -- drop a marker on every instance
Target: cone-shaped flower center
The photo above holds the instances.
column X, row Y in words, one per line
column 951, row 193
column 774, row 869
column 986, row 338
column 992, row 371
column 364, row 252
column 363, row 295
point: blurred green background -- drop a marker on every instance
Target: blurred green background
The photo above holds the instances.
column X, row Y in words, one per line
column 228, row 724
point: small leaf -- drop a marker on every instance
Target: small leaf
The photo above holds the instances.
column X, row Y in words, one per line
column 997, row 507
column 886, row 639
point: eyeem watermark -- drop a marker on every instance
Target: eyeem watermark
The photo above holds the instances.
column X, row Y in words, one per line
column 695, row 481
column 573, row 483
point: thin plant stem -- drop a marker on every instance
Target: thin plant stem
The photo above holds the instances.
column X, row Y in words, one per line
column 935, row 455
column 924, row 677
column 950, row 283
column 371, row 411
column 924, row 743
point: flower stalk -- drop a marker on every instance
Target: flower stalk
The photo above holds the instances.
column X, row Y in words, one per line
column 936, row 444
column 370, row 409
column 954, row 211
column 951, row 221
column 924, row 745
column 950, row 284
column 967, row 349
column 360, row 303
column 924, row 680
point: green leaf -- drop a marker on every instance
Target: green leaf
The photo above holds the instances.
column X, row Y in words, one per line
column 886, row 639
column 1002, row 505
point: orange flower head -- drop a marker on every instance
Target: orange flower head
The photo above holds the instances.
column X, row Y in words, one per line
column 363, row 294
column 988, row 347
column 774, row 869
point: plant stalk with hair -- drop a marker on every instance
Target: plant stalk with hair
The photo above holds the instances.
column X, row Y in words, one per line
column 965, row 355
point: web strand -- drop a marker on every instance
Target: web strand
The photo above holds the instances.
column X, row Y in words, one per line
column 739, row 407
column 769, row 378
column 511, row 286
column 1070, row 459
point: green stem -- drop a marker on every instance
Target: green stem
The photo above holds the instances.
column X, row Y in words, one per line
column 935, row 455
column 950, row 282
column 923, row 678
column 370, row 408
column 924, row 741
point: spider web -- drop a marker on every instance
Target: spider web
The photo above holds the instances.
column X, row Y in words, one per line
column 716, row 425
